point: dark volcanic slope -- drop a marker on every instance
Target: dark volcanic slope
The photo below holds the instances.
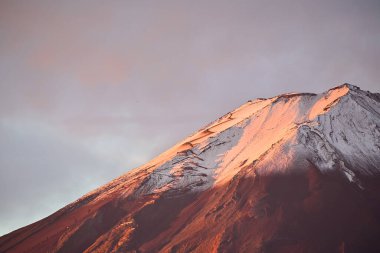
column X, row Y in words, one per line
column 293, row 173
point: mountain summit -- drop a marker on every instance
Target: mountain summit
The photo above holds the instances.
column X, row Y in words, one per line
column 299, row 172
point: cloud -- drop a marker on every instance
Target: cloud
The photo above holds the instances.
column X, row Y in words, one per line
column 41, row 171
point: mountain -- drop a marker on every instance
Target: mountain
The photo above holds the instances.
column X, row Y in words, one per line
column 298, row 172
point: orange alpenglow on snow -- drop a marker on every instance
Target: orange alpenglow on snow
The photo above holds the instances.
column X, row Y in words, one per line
column 292, row 173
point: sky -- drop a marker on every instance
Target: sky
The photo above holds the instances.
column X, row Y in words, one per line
column 92, row 89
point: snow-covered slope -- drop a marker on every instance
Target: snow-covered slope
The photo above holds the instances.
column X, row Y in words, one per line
column 338, row 129
column 267, row 163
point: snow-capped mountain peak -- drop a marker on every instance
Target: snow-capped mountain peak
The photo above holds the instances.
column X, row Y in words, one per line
column 243, row 183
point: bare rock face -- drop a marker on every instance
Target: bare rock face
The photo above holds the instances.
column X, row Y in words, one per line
column 292, row 173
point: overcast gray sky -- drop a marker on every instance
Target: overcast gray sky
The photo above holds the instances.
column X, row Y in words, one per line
column 92, row 89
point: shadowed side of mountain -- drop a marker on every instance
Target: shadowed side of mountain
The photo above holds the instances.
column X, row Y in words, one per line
column 303, row 212
column 307, row 211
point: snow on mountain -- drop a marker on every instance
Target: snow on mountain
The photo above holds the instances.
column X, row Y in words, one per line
column 338, row 129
